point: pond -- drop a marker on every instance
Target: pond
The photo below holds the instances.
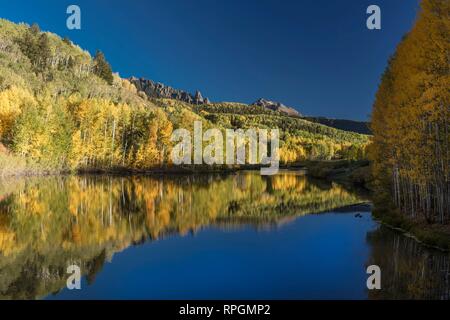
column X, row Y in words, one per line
column 233, row 236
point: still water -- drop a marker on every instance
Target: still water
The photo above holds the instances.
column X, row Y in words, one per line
column 239, row 236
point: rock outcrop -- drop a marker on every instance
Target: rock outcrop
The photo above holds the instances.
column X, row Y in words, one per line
column 158, row 90
column 153, row 89
column 198, row 98
column 277, row 106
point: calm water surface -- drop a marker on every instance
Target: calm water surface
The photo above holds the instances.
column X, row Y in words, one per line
column 239, row 236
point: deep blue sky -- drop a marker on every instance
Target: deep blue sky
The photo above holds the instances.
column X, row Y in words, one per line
column 315, row 55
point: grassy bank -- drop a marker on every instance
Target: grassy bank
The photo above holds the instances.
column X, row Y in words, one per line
column 433, row 235
column 11, row 166
column 343, row 171
column 185, row 169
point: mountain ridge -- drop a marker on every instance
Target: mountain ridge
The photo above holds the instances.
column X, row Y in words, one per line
column 361, row 127
column 159, row 90
column 153, row 89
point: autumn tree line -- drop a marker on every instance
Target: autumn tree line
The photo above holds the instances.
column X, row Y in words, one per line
column 74, row 132
column 411, row 118
column 61, row 109
column 299, row 139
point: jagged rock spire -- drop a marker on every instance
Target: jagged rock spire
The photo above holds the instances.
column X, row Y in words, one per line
column 158, row 90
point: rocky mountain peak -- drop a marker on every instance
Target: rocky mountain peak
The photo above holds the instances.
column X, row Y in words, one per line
column 158, row 90
column 198, row 98
column 277, row 106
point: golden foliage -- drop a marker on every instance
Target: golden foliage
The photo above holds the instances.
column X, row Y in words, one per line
column 410, row 118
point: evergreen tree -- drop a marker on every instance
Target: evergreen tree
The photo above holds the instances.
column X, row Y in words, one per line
column 102, row 67
column 67, row 41
column 36, row 47
column 44, row 53
column 35, row 29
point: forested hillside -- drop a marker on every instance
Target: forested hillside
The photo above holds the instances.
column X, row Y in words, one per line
column 300, row 139
column 61, row 109
column 411, row 120
column 343, row 124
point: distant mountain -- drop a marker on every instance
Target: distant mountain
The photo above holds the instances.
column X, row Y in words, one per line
column 347, row 125
column 158, row 90
column 277, row 106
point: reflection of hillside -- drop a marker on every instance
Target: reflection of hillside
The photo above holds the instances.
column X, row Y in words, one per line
column 409, row 271
column 48, row 223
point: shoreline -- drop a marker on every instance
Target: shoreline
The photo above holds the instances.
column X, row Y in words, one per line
column 124, row 171
column 430, row 235
column 412, row 236
column 337, row 170
column 340, row 171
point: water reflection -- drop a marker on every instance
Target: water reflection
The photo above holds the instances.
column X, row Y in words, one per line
column 409, row 270
column 49, row 223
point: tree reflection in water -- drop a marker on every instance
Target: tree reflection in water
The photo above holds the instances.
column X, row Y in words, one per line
column 408, row 269
column 49, row 223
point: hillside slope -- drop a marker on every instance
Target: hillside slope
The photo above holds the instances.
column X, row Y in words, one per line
column 343, row 124
column 62, row 109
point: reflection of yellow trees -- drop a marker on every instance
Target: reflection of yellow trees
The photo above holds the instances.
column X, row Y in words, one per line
column 409, row 270
column 7, row 237
column 86, row 211
column 290, row 182
column 83, row 218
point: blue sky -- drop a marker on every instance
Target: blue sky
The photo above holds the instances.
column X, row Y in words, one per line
column 314, row 55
